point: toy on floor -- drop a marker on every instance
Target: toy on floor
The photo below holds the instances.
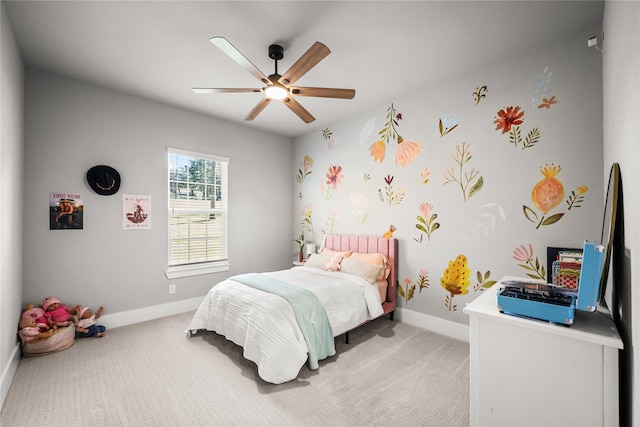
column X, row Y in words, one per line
column 30, row 332
column 59, row 314
column 38, row 314
column 86, row 326
column 334, row 264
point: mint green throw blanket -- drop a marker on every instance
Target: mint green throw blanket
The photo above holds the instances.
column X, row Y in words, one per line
column 311, row 317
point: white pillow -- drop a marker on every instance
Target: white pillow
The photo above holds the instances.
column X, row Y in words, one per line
column 368, row 272
column 317, row 260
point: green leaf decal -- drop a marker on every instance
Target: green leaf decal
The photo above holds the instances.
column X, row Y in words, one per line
column 529, row 213
column 476, row 187
column 553, row 219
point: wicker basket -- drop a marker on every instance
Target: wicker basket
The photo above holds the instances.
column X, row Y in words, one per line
column 63, row 338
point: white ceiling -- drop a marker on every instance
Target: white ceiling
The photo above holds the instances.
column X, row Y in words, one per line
column 383, row 49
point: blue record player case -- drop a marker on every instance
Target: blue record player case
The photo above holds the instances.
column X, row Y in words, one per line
column 545, row 301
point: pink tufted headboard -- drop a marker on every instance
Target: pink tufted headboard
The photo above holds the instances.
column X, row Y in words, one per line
column 368, row 245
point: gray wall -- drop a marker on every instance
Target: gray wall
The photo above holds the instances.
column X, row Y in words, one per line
column 621, row 93
column 71, row 126
column 490, row 225
column 11, row 164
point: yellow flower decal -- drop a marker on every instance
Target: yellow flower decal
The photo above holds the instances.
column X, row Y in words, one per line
column 455, row 279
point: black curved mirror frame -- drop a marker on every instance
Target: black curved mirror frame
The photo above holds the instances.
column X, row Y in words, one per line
column 608, row 229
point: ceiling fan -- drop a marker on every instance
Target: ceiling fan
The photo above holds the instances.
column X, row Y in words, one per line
column 280, row 86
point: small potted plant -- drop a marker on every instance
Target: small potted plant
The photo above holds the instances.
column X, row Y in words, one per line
column 300, row 242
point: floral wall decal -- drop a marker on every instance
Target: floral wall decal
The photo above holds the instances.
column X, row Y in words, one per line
column 548, row 102
column 332, row 223
column 360, row 203
column 577, row 197
column 406, row 151
column 543, row 85
column 427, row 221
column 424, row 176
column 470, row 182
column 483, row 282
column 487, row 221
column 455, row 280
column 509, row 120
column 328, row 136
column 389, row 233
column 307, row 222
column 547, row 194
column 446, row 125
column 334, row 178
column 305, row 169
column 524, row 255
column 480, row 93
column 408, row 290
column 367, row 130
column 392, row 197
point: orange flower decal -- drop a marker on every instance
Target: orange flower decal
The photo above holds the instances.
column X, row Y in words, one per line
column 511, row 117
column 407, row 151
column 548, row 193
column 547, row 103
column 334, row 176
column 378, row 150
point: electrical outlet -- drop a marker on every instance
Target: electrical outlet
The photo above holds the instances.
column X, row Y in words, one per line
column 172, row 288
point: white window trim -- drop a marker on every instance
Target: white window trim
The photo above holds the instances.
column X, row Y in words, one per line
column 195, row 270
column 208, row 267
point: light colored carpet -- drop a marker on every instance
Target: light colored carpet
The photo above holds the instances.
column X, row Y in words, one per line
column 150, row 374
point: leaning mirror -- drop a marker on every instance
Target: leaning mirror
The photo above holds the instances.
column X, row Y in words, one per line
column 608, row 229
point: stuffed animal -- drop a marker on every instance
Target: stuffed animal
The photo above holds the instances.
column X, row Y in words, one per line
column 30, row 332
column 86, row 326
column 59, row 314
column 38, row 314
column 334, row 264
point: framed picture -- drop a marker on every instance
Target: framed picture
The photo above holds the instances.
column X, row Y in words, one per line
column 136, row 212
column 66, row 211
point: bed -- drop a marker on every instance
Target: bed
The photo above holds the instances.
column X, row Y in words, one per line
column 267, row 323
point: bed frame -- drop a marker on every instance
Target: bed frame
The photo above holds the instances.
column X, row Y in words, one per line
column 371, row 244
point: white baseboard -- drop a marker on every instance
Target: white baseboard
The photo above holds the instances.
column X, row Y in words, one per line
column 8, row 372
column 124, row 318
column 431, row 323
column 440, row 326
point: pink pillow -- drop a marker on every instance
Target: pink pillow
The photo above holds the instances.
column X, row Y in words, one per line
column 326, row 251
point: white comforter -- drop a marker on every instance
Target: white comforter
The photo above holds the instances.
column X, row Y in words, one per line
column 265, row 326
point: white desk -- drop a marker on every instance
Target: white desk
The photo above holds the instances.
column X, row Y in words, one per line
column 527, row 372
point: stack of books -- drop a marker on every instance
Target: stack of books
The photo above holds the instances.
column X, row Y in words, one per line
column 566, row 269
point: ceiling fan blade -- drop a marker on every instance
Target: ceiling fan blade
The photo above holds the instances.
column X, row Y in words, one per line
column 307, row 61
column 258, row 108
column 324, row 92
column 224, row 90
column 298, row 109
column 224, row 45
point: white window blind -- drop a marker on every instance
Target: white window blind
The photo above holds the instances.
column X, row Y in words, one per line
column 198, row 216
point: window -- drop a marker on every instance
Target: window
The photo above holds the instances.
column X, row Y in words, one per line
column 197, row 214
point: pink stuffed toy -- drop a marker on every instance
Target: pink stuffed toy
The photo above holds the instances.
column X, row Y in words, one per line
column 59, row 314
column 30, row 332
column 334, row 264
column 37, row 313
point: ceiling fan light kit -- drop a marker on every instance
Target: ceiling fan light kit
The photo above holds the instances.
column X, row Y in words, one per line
column 279, row 87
